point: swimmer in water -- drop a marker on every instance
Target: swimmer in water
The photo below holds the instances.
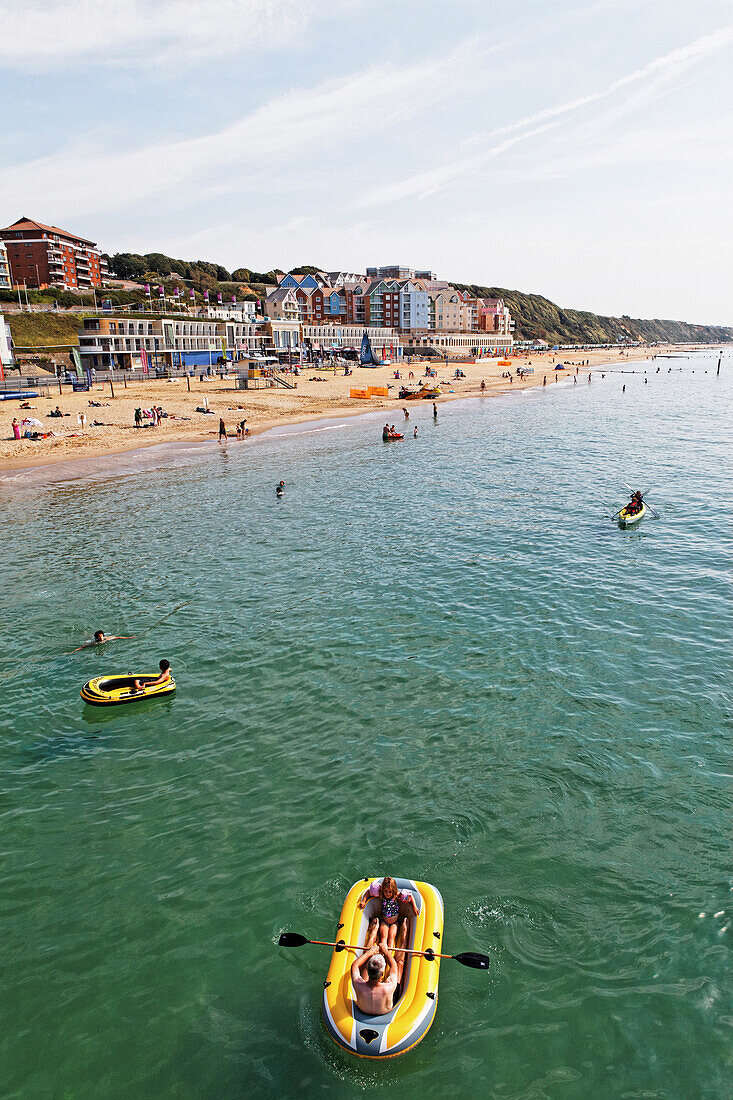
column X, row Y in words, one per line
column 414, row 434
column 100, row 638
column 280, row 489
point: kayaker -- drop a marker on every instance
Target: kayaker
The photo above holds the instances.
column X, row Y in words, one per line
column 165, row 675
column 635, row 503
column 391, row 898
column 100, row 638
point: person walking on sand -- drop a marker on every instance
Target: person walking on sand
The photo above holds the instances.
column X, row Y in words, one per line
column 222, row 430
column 435, row 411
column 138, row 418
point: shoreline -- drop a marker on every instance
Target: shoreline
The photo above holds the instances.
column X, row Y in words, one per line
column 271, row 409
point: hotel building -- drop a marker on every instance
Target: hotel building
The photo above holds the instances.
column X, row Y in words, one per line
column 44, row 255
column 164, row 343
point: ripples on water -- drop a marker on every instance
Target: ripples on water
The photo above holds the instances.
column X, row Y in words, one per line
column 436, row 659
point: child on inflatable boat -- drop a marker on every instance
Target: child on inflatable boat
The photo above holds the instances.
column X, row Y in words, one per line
column 391, row 898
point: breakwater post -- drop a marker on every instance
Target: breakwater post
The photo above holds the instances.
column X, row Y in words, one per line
column 719, row 360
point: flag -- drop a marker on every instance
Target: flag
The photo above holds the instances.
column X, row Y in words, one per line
column 206, row 295
column 191, row 295
column 219, row 298
column 144, row 360
column 234, row 299
column 147, row 289
column 175, row 292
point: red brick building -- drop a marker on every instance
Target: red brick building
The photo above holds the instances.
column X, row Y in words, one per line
column 44, row 255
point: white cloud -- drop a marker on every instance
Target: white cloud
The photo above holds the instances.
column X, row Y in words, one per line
column 658, row 74
column 303, row 121
column 54, row 32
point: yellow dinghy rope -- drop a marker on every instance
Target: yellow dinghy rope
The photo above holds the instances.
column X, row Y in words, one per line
column 109, row 691
column 409, row 1020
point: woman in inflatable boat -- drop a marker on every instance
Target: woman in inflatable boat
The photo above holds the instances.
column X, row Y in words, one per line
column 388, row 919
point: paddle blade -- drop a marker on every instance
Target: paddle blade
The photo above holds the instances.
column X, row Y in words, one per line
column 474, row 960
column 292, row 939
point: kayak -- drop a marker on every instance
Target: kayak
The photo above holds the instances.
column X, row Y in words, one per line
column 628, row 519
column 409, row 1020
column 108, row 691
column 395, row 435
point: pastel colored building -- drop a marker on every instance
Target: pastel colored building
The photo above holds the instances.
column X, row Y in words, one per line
column 44, row 255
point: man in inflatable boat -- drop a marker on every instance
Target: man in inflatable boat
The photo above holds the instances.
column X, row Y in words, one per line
column 374, row 992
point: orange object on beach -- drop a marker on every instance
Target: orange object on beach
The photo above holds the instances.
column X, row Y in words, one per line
column 361, row 394
column 378, row 391
column 505, row 362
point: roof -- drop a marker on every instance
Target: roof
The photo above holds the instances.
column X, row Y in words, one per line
column 28, row 223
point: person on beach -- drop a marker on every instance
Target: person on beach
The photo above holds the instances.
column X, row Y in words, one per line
column 165, row 675
column 16, row 428
column 100, row 638
column 374, row 992
column 435, row 411
column 390, row 898
column 280, row 488
column 483, row 385
column 138, row 418
column 222, row 430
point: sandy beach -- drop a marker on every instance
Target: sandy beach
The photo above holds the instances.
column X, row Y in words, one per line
column 110, row 426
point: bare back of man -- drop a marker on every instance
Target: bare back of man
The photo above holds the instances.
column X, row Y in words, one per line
column 373, row 992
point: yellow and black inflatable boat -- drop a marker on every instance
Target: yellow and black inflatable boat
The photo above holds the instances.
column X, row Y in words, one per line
column 109, row 691
column 409, row 1020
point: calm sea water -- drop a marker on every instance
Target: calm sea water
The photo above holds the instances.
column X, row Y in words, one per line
column 437, row 659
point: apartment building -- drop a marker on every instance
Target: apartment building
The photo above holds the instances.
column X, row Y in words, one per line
column 396, row 271
column 494, row 316
column 5, row 281
column 136, row 343
column 282, row 304
column 44, row 255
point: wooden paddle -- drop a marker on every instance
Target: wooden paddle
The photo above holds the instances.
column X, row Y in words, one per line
column 466, row 958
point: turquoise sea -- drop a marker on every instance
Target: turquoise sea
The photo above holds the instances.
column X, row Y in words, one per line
column 436, row 659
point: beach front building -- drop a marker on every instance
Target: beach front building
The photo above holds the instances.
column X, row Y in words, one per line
column 385, row 341
column 445, row 310
column 44, row 255
column 282, row 305
column 396, row 271
column 237, row 311
column 5, row 281
column 160, row 343
column 458, row 344
column 494, row 316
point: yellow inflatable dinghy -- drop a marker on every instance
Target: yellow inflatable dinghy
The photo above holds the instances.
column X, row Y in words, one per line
column 108, row 691
column 409, row 1020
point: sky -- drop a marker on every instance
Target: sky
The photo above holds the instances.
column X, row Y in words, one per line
column 581, row 149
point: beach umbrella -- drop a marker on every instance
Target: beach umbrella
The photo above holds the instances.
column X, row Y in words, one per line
column 31, row 422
